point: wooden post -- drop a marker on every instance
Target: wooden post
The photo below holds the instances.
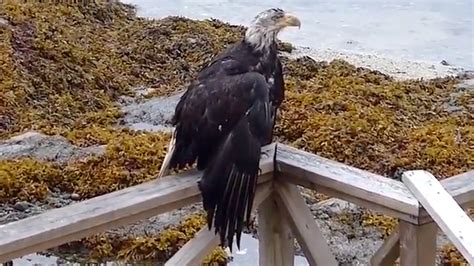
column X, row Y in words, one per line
column 196, row 249
column 417, row 244
column 304, row 227
column 276, row 242
column 444, row 210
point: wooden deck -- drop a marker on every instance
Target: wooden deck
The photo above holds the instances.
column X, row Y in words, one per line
column 420, row 202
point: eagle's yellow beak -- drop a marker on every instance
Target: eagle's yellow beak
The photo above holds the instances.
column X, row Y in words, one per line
column 289, row 21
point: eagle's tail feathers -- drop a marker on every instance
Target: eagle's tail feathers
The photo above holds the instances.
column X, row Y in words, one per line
column 229, row 183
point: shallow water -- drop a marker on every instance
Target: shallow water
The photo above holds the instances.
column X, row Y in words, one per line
column 420, row 30
column 248, row 256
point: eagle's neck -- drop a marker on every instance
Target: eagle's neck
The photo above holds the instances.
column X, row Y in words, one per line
column 260, row 39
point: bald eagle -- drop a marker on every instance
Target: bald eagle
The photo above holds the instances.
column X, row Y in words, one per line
column 226, row 114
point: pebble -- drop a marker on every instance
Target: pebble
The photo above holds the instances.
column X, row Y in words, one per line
column 45, row 148
column 445, row 63
column 19, row 216
column 4, row 22
column 53, row 202
column 323, row 216
column 75, row 196
column 22, row 205
column 4, row 218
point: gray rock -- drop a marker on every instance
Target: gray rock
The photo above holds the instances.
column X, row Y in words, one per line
column 61, row 261
column 43, row 147
column 349, row 241
column 75, row 196
column 37, row 209
column 445, row 63
column 467, row 84
column 19, row 216
column 336, row 206
column 453, row 109
column 154, row 225
column 452, row 105
column 4, row 22
column 142, row 91
column 151, row 115
column 5, row 217
column 22, row 205
column 89, row 151
column 53, row 202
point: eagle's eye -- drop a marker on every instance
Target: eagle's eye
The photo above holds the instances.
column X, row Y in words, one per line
column 278, row 16
column 276, row 13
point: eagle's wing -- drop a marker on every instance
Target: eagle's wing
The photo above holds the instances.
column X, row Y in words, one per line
column 223, row 121
column 278, row 88
column 230, row 177
column 208, row 110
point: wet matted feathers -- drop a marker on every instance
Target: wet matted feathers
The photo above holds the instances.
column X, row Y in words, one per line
column 224, row 118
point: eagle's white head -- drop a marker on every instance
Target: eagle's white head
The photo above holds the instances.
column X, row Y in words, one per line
column 263, row 30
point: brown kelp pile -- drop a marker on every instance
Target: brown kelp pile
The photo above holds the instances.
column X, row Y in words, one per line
column 65, row 66
column 150, row 248
column 130, row 158
column 366, row 119
column 80, row 58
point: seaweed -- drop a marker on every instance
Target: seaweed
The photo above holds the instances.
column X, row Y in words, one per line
column 451, row 256
column 67, row 63
column 150, row 248
column 384, row 223
column 368, row 120
column 27, row 179
column 130, row 158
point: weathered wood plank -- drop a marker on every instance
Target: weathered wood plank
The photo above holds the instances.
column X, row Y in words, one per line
column 349, row 183
column 460, row 187
column 276, row 242
column 304, row 227
column 417, row 244
column 389, row 252
column 196, row 249
column 73, row 222
column 444, row 210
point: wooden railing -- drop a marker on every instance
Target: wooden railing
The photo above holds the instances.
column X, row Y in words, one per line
column 420, row 202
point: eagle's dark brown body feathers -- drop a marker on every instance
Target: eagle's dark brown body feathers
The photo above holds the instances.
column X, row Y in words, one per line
column 224, row 118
